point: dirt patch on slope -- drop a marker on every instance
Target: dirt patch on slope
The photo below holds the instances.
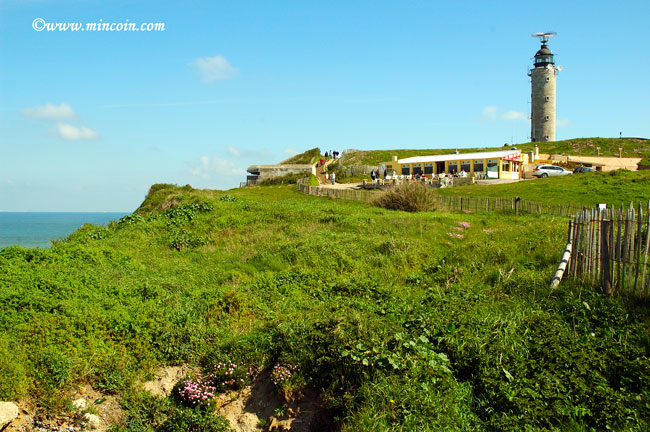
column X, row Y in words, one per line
column 259, row 408
column 165, row 380
column 103, row 412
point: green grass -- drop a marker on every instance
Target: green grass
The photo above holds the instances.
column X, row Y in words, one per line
column 587, row 147
column 308, row 157
column 613, row 187
column 401, row 321
column 577, row 146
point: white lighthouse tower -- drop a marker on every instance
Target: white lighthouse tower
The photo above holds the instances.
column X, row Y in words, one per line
column 542, row 76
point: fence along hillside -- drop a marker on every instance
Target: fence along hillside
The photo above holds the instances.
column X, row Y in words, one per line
column 610, row 249
column 452, row 203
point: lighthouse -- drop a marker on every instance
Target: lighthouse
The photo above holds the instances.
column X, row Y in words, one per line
column 542, row 78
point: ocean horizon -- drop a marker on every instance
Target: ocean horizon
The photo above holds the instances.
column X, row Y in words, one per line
column 38, row 229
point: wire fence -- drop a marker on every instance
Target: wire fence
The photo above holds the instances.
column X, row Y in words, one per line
column 610, row 249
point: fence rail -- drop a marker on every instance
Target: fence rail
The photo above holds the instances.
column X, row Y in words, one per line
column 610, row 249
column 348, row 194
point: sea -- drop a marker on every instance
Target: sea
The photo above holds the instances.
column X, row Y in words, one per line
column 38, row 229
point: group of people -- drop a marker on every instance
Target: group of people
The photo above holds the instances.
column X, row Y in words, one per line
column 331, row 154
column 374, row 174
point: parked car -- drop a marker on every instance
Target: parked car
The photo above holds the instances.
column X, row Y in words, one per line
column 550, row 170
column 583, row 169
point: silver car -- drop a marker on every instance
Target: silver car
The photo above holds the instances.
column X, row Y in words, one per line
column 542, row 171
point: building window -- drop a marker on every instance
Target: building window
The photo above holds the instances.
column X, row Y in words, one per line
column 547, row 79
column 406, row 169
column 547, row 137
column 478, row 166
column 547, row 98
column 428, row 168
column 452, row 167
column 465, row 166
column 547, row 118
column 389, row 170
column 506, row 166
column 417, row 169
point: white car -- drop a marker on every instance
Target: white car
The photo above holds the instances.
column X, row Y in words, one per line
column 542, row 171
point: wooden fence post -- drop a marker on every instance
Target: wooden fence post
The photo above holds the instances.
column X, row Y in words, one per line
column 517, row 200
column 605, row 246
column 638, row 247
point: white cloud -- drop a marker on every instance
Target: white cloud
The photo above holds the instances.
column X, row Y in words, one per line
column 214, row 167
column 494, row 113
column 490, row 112
column 73, row 133
column 233, row 151
column 261, row 156
column 290, row 152
column 514, row 115
column 563, row 122
column 50, row 111
column 214, row 68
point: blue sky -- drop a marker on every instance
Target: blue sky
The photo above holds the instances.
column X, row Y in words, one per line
column 89, row 120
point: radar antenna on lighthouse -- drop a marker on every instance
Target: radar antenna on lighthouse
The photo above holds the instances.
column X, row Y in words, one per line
column 544, row 37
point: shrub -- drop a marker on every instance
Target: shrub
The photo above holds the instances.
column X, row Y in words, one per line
column 181, row 240
column 288, row 380
column 196, row 392
column 12, row 370
column 407, row 197
column 130, row 219
column 228, row 375
column 182, row 420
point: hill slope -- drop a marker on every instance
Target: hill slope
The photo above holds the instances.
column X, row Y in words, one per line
column 398, row 321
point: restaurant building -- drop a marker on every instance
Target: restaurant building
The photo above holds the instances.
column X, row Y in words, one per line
column 506, row 164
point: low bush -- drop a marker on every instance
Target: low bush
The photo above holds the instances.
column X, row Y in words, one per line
column 407, row 197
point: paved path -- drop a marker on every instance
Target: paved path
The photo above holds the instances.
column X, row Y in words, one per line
column 341, row 185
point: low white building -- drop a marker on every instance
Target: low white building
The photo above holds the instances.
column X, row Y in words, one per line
column 504, row 164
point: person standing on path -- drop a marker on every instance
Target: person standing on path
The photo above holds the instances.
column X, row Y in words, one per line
column 333, row 178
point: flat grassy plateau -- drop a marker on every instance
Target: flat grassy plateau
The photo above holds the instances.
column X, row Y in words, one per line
column 400, row 321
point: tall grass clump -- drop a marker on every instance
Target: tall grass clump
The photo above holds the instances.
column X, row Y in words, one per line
column 407, row 197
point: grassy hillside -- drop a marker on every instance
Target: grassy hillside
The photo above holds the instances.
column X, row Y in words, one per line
column 399, row 321
column 578, row 146
column 613, row 187
column 587, row 147
column 308, row 157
